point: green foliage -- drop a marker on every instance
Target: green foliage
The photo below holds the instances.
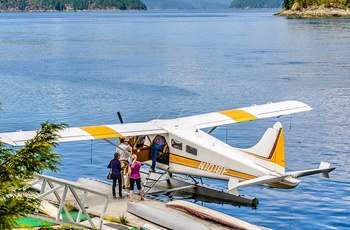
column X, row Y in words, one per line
column 111, row 219
column 63, row 5
column 17, row 169
column 123, row 220
column 256, row 4
column 292, row 4
column 68, row 227
column 187, row 4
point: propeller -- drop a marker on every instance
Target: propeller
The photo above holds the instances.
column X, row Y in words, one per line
column 120, row 118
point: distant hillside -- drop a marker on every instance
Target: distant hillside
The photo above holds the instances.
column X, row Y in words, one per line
column 70, row 5
column 187, row 4
column 243, row 4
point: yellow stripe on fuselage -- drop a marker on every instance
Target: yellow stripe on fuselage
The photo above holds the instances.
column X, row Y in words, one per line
column 184, row 161
column 100, row 132
column 237, row 174
column 175, row 159
column 238, row 115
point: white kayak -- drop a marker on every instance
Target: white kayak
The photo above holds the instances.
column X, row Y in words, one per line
column 210, row 214
column 164, row 218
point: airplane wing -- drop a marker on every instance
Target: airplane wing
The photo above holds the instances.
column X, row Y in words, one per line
column 147, row 128
column 246, row 114
column 87, row 133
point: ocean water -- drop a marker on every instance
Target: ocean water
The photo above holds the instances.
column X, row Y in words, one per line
column 82, row 68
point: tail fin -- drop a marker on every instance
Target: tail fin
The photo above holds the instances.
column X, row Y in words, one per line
column 269, row 151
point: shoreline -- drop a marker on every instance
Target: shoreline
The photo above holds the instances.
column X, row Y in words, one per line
column 316, row 13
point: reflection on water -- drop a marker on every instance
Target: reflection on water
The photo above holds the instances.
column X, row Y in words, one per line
column 82, row 68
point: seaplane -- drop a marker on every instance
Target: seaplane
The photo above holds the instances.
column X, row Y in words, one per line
column 190, row 152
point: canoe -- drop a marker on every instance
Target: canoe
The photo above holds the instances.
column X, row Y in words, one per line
column 164, row 218
column 207, row 213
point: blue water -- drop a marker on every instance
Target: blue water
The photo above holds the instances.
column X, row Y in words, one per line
column 82, row 68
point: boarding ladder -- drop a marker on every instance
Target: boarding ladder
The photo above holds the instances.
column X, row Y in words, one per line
column 151, row 180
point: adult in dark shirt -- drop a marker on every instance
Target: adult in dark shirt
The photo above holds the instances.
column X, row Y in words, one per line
column 115, row 165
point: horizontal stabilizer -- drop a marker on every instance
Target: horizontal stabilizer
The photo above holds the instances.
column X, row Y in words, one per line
column 257, row 181
column 324, row 169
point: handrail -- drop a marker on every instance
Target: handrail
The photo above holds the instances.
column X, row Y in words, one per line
column 56, row 185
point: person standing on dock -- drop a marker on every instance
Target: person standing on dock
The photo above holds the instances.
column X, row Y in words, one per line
column 124, row 150
column 135, row 176
column 114, row 164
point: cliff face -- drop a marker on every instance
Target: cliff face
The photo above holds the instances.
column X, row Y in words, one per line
column 70, row 5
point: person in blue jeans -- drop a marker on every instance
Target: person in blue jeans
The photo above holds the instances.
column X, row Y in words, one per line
column 158, row 145
column 115, row 165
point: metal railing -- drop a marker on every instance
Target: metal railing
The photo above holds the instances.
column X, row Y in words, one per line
column 61, row 188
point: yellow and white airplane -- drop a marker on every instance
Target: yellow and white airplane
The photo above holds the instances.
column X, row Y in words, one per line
column 191, row 151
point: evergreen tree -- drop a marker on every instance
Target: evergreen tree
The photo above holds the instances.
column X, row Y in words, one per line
column 17, row 169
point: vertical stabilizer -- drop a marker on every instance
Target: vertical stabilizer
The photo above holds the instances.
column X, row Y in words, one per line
column 269, row 151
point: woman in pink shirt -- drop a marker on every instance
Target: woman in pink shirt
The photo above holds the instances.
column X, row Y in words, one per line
column 134, row 172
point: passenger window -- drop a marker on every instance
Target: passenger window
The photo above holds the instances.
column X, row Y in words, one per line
column 191, row 150
column 176, row 144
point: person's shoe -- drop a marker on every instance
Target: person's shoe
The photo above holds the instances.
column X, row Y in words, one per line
column 123, row 187
column 121, row 197
column 114, row 197
column 142, row 198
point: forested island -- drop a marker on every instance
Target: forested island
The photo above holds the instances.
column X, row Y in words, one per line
column 315, row 8
column 70, row 5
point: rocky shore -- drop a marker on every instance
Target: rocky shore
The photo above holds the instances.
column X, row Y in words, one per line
column 316, row 13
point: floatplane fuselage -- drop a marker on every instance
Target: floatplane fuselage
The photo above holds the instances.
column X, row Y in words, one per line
column 198, row 153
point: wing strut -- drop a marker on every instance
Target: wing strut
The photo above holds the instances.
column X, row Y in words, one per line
column 212, row 129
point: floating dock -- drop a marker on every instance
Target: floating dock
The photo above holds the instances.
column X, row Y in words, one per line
column 94, row 197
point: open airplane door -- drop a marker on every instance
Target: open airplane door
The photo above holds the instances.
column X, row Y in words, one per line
column 142, row 147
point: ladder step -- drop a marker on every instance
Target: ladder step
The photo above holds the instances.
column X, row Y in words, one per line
column 150, row 182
